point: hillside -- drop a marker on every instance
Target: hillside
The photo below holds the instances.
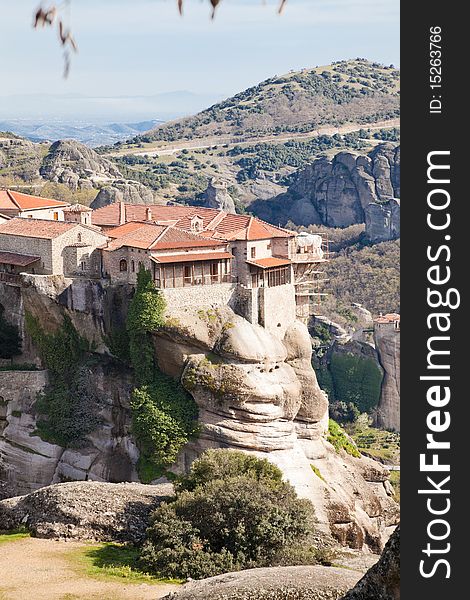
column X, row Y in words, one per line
column 355, row 91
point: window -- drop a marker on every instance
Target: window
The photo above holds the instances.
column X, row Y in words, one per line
column 56, row 216
column 253, row 252
column 79, row 237
column 123, row 265
column 132, row 266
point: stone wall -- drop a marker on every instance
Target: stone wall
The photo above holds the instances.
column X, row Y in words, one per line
column 204, row 296
column 31, row 246
column 61, row 263
column 277, row 311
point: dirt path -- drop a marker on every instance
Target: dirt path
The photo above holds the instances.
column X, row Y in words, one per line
column 34, row 569
column 170, row 148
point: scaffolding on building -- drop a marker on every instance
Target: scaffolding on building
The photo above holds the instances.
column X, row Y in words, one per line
column 309, row 274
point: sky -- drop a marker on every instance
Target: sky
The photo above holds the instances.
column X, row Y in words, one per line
column 134, row 54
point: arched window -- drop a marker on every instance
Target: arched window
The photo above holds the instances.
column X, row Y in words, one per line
column 132, row 266
column 123, row 265
column 79, row 237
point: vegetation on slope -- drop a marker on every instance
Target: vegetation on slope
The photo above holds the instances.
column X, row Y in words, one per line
column 68, row 407
column 355, row 91
column 164, row 415
column 367, row 274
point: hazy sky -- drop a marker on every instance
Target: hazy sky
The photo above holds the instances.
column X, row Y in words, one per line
column 143, row 47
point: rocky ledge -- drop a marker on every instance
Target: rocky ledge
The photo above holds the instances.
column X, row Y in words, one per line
column 274, row 583
column 85, row 510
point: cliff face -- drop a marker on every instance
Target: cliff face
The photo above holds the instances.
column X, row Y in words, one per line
column 255, row 389
column 350, row 188
column 388, row 348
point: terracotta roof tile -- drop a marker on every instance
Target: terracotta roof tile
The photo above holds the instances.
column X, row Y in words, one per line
column 10, row 199
column 272, row 261
column 20, row 260
column 35, row 228
column 217, row 224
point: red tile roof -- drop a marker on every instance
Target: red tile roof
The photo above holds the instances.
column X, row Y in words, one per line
column 35, row 228
column 217, row 224
column 272, row 261
column 12, row 200
column 20, row 260
column 191, row 257
column 156, row 237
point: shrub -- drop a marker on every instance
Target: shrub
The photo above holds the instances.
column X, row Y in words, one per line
column 228, row 524
column 223, row 464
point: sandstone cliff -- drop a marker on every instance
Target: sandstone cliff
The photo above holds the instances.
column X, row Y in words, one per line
column 388, row 349
column 347, row 189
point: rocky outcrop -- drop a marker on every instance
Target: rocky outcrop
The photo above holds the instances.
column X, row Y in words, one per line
column 338, row 192
column 275, row 583
column 216, row 196
column 76, row 165
column 383, row 220
column 86, row 511
column 257, row 391
column 387, row 342
column 123, row 190
column 110, row 452
column 383, row 579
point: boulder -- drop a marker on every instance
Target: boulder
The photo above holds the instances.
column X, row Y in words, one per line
column 86, row 510
column 382, row 581
column 123, row 190
column 274, row 583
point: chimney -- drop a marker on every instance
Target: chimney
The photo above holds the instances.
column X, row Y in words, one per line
column 122, row 212
column 148, row 213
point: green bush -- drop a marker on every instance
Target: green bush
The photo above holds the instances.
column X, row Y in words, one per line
column 228, row 523
column 223, row 464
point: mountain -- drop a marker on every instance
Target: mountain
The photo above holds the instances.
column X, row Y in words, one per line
column 90, row 134
column 356, row 91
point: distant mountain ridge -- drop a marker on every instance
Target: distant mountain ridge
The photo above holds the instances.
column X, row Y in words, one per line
column 90, row 134
column 355, row 91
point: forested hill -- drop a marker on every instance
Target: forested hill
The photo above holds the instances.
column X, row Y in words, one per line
column 356, row 91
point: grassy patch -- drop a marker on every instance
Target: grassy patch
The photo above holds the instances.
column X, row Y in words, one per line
column 340, row 440
column 13, row 536
column 114, row 562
